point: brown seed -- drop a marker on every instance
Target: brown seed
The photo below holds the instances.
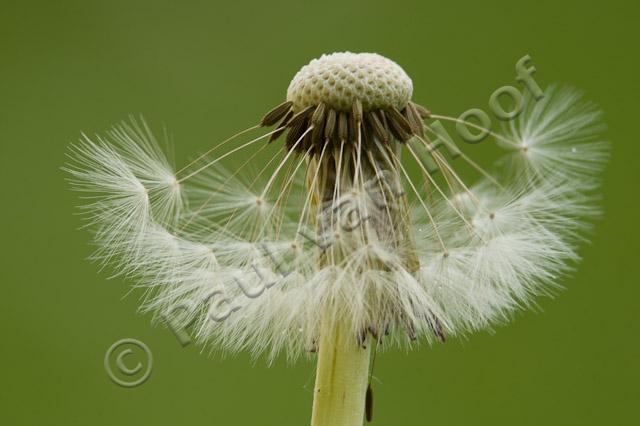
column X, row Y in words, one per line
column 316, row 137
column 383, row 119
column 306, row 143
column 353, row 128
column 398, row 120
column 377, row 127
column 405, row 113
column 414, row 119
column 273, row 116
column 380, row 115
column 397, row 131
column 356, row 110
column 317, row 121
column 343, row 127
column 366, row 135
column 318, row 114
column 282, row 127
column 295, row 133
column 330, row 124
column 300, row 116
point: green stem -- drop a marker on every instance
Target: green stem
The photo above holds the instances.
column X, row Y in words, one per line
column 342, row 377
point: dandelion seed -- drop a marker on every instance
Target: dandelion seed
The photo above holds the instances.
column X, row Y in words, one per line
column 332, row 242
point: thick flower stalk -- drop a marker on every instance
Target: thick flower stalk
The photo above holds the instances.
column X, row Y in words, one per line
column 353, row 233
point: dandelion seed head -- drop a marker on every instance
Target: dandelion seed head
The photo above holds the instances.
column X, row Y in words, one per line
column 336, row 226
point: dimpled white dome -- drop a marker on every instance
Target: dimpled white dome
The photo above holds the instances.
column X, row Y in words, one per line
column 340, row 78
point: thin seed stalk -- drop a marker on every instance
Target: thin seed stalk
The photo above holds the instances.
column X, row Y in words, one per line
column 342, row 377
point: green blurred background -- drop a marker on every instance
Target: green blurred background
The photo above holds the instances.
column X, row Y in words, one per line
column 206, row 69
